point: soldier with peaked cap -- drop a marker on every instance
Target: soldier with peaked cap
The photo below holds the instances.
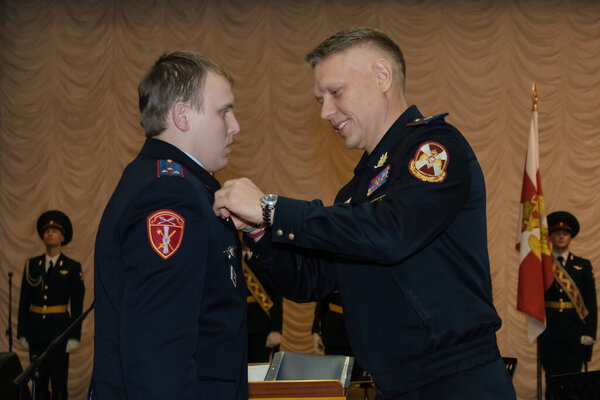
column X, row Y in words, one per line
column 50, row 283
column 571, row 309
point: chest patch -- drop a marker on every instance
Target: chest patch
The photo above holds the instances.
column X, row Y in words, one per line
column 430, row 162
column 379, row 180
column 165, row 232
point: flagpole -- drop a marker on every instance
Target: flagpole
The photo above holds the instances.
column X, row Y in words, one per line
column 534, row 108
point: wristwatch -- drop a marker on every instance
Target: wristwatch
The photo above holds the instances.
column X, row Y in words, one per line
column 267, row 203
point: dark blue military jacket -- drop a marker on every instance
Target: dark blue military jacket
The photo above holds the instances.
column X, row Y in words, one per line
column 406, row 244
column 61, row 285
column 565, row 325
column 170, row 318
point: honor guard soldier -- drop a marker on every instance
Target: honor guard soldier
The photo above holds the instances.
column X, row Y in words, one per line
column 571, row 307
column 265, row 313
column 405, row 241
column 51, row 283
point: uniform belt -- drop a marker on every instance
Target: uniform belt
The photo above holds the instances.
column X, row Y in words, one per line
column 335, row 308
column 48, row 309
column 560, row 305
column 251, row 299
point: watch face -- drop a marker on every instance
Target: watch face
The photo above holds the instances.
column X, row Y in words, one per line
column 269, row 200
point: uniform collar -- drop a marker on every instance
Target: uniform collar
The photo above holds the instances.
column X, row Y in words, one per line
column 161, row 150
column 389, row 140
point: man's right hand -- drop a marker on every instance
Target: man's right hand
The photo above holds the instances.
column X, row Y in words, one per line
column 239, row 198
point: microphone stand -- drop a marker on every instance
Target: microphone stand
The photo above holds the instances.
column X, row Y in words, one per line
column 22, row 379
column 9, row 329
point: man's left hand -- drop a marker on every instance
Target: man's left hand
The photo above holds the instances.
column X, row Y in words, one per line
column 72, row 344
column 587, row 340
column 273, row 340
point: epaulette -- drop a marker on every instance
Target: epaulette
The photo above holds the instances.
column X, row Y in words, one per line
column 428, row 120
column 168, row 168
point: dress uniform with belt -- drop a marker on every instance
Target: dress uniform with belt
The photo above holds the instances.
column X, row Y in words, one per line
column 265, row 312
column 170, row 294
column 406, row 244
column 44, row 307
column 571, row 307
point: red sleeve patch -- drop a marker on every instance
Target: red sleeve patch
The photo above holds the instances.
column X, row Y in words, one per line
column 430, row 162
column 165, row 231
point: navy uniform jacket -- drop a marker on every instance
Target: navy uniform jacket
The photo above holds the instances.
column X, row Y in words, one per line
column 59, row 287
column 566, row 325
column 406, row 243
column 170, row 318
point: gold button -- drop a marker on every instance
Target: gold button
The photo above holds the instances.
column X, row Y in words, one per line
column 44, row 306
column 45, row 287
column 291, row 236
column 43, row 317
column 45, row 297
column 279, row 232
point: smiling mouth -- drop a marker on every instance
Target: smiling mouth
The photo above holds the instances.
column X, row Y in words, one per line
column 341, row 126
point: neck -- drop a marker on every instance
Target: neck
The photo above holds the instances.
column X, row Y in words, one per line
column 395, row 106
column 53, row 250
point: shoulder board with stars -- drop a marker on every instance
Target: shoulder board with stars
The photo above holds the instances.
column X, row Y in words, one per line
column 428, row 120
column 168, row 168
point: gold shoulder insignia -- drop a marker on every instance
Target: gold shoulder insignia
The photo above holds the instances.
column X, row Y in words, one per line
column 577, row 267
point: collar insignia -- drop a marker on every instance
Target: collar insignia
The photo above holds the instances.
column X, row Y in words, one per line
column 378, row 181
column 382, row 160
column 348, row 201
column 430, row 162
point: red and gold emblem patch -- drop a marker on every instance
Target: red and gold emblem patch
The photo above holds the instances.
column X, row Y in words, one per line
column 430, row 162
column 165, row 231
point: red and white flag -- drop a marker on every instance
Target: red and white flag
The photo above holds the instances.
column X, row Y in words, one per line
column 535, row 268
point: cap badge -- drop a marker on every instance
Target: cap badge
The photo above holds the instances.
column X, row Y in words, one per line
column 430, row 162
column 165, row 231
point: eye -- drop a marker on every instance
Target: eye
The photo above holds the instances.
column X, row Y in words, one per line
column 335, row 92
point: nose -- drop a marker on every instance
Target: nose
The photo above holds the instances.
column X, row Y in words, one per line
column 233, row 126
column 327, row 109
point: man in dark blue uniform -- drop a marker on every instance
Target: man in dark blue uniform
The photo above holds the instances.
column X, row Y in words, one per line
column 50, row 283
column 571, row 307
column 170, row 318
column 405, row 242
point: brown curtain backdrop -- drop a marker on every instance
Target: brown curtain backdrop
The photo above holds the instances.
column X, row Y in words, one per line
column 69, row 121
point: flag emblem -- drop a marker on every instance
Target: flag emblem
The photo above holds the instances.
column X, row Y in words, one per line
column 430, row 162
column 165, row 231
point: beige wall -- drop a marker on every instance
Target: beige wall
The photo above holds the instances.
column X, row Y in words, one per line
column 68, row 114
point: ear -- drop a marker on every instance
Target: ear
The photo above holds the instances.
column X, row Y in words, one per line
column 383, row 73
column 179, row 115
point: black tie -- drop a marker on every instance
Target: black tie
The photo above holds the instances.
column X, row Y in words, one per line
column 50, row 265
column 561, row 260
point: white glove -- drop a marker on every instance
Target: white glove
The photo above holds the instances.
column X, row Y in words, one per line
column 24, row 342
column 274, row 339
column 587, row 340
column 72, row 344
column 318, row 341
